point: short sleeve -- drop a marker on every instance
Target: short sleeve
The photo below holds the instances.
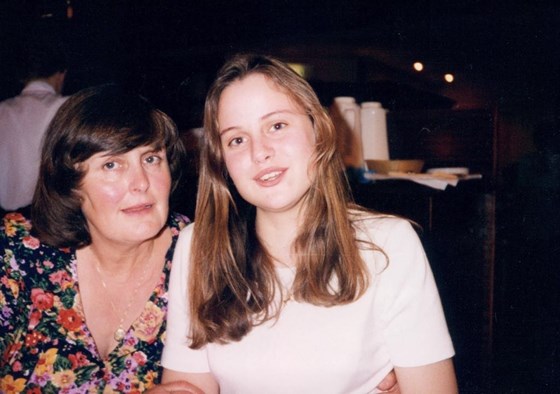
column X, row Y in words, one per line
column 177, row 355
column 414, row 323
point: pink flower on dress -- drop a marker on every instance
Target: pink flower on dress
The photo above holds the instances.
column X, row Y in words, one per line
column 61, row 278
column 31, row 242
column 16, row 367
column 140, row 358
column 41, row 300
column 34, row 318
column 149, row 323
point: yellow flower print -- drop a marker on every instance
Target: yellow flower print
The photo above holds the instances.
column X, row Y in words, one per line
column 10, row 386
column 9, row 258
column 136, row 386
column 10, row 230
column 46, row 362
column 15, row 220
column 64, row 379
column 149, row 323
column 150, row 378
column 14, row 287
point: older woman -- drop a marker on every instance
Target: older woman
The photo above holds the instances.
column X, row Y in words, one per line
column 83, row 294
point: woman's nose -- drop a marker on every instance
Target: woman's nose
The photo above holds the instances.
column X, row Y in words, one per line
column 262, row 150
column 139, row 180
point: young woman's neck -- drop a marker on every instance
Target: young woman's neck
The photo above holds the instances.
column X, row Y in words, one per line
column 277, row 232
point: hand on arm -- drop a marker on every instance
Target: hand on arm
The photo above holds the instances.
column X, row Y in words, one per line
column 177, row 387
column 389, row 384
column 204, row 382
column 436, row 378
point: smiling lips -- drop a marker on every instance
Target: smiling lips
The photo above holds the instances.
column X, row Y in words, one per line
column 269, row 177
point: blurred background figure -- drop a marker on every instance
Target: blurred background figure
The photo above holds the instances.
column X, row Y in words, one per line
column 25, row 118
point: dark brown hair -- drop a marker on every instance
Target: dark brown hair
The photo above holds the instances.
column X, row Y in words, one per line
column 104, row 118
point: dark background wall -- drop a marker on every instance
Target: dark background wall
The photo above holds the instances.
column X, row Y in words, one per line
column 502, row 53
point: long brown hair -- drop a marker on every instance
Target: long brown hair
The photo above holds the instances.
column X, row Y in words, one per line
column 232, row 280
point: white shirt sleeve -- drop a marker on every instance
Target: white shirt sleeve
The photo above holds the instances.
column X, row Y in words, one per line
column 177, row 355
column 415, row 329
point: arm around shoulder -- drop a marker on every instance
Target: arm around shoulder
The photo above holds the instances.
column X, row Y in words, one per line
column 436, row 378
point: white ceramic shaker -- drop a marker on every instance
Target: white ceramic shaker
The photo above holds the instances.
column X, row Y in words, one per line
column 374, row 131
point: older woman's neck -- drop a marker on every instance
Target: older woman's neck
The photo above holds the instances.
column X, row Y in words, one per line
column 121, row 259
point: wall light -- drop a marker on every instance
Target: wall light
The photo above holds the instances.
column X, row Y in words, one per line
column 418, row 66
column 449, row 78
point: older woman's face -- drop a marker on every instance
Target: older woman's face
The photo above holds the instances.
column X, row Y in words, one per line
column 125, row 197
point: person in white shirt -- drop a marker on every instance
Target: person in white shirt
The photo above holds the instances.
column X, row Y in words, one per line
column 283, row 285
column 23, row 122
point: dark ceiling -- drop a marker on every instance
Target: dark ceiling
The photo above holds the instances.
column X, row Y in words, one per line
column 506, row 49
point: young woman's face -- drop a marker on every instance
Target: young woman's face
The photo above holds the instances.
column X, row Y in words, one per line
column 268, row 144
column 125, row 197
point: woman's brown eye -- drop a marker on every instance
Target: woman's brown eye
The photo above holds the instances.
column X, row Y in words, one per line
column 236, row 141
column 278, row 126
column 152, row 159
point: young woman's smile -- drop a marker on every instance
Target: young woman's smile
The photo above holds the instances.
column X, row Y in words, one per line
column 268, row 144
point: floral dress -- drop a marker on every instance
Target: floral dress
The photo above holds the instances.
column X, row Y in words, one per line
column 45, row 344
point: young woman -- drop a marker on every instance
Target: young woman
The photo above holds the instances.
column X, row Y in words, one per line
column 283, row 285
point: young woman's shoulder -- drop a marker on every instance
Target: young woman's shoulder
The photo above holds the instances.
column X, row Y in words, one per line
column 187, row 232
column 378, row 227
column 183, row 246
